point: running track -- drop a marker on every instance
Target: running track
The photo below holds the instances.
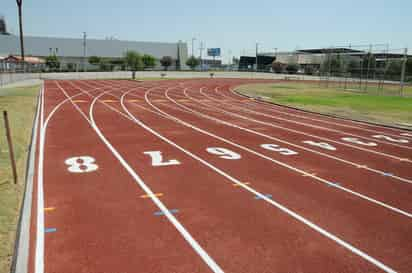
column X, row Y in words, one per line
column 184, row 176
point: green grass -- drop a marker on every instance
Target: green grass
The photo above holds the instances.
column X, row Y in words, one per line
column 20, row 104
column 333, row 100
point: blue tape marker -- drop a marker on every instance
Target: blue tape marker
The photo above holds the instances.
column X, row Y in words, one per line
column 334, row 184
column 160, row 213
column 48, row 230
column 387, row 174
column 257, row 197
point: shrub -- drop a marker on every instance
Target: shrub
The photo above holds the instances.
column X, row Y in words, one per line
column 166, row 61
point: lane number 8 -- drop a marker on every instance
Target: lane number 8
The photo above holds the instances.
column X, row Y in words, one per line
column 81, row 164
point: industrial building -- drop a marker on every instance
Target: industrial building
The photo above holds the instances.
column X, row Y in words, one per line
column 73, row 52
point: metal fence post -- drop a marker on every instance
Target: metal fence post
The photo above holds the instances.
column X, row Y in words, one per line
column 405, row 59
column 9, row 141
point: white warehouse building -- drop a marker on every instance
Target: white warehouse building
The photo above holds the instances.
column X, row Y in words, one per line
column 70, row 51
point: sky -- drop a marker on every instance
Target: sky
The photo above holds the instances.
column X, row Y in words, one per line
column 233, row 25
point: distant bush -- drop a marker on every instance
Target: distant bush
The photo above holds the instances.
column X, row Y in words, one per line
column 278, row 67
column 192, row 62
column 166, row 61
column 292, row 68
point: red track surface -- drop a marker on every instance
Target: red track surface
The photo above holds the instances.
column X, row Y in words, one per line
column 343, row 207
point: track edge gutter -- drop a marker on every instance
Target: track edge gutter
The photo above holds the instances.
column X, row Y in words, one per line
column 21, row 247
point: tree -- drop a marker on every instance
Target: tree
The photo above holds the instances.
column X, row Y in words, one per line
column 192, row 62
column 19, row 6
column 278, row 67
column 52, row 62
column 148, row 61
column 94, row 60
column 353, row 67
column 332, row 64
column 133, row 60
column 292, row 68
column 166, row 61
column 394, row 70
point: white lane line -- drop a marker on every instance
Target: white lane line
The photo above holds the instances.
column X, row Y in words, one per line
column 274, row 110
column 258, row 103
column 286, row 142
column 362, row 196
column 39, row 252
column 262, row 196
column 291, row 144
column 299, row 132
column 304, row 124
column 180, row 228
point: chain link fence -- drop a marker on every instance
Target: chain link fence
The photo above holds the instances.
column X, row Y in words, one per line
column 375, row 69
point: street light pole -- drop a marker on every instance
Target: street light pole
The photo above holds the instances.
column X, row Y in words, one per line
column 84, row 51
column 257, row 49
column 193, row 46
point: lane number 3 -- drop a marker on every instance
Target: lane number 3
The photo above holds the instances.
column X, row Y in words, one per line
column 81, row 164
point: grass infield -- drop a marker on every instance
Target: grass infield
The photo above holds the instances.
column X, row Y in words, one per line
column 392, row 110
column 20, row 104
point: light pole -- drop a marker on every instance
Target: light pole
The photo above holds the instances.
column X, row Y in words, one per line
column 193, row 46
column 257, row 49
column 276, row 53
column 84, row 51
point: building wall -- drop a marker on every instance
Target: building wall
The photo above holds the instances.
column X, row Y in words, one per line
column 71, row 50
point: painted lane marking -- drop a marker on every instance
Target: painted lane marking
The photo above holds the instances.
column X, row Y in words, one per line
column 309, row 174
column 304, row 124
column 256, row 193
column 49, row 209
column 241, row 184
column 319, row 179
column 362, row 166
column 323, row 145
column 79, row 101
column 145, row 196
column 278, row 149
column 293, row 130
column 272, row 108
column 258, row 197
column 133, row 100
column 157, row 159
column 280, row 140
column 109, row 101
column 358, row 141
column 186, row 235
column 161, row 213
column 50, row 230
column 224, row 153
column 388, row 138
column 81, row 164
column 39, row 252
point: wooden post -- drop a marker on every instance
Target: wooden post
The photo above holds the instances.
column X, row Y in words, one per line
column 11, row 152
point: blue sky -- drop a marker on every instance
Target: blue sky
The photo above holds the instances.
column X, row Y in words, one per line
column 234, row 25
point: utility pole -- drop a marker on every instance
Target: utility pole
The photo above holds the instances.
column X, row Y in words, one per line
column 84, row 51
column 193, row 46
column 257, row 49
column 405, row 59
column 201, row 55
column 19, row 7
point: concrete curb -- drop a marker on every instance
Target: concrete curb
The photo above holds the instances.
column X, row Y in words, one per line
column 21, row 246
column 323, row 114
